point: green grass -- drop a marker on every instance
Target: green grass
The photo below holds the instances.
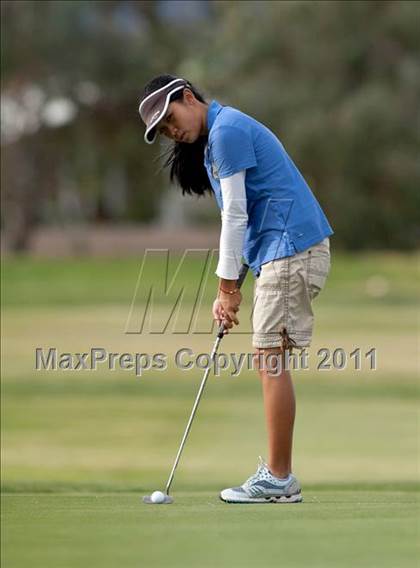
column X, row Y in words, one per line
column 54, row 282
column 81, row 448
column 367, row 527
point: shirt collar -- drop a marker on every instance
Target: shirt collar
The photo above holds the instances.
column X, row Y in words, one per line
column 214, row 108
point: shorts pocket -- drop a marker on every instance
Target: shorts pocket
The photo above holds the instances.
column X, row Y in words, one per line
column 319, row 264
column 274, row 274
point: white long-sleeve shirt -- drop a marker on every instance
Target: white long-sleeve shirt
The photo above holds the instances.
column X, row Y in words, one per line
column 234, row 223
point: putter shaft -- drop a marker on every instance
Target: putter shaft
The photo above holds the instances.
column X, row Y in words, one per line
column 194, row 409
column 220, row 334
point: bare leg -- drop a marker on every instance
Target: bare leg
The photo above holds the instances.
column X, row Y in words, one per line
column 280, row 408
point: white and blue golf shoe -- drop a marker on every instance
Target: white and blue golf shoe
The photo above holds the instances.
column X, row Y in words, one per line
column 264, row 487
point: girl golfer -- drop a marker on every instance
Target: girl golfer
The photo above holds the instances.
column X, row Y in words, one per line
column 271, row 218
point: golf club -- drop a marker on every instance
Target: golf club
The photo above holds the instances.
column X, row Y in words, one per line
column 158, row 497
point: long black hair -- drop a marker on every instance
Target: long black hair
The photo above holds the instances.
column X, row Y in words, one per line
column 185, row 160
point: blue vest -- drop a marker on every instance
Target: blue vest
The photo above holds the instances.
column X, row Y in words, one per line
column 284, row 217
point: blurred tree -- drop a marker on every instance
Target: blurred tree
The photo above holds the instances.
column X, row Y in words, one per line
column 97, row 55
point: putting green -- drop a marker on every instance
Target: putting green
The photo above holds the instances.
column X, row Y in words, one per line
column 346, row 528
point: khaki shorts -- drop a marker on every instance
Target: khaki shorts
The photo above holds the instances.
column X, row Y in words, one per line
column 283, row 295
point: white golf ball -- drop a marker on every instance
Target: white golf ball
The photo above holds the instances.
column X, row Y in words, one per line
column 157, row 497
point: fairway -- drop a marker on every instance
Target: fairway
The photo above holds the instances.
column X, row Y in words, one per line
column 81, row 448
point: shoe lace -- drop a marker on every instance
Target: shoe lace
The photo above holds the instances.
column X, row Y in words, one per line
column 255, row 476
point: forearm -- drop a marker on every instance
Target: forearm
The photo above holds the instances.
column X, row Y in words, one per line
column 234, row 224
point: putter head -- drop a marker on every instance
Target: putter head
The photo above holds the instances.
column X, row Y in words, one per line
column 148, row 499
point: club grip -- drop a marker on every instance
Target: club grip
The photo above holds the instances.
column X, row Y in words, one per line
column 242, row 275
